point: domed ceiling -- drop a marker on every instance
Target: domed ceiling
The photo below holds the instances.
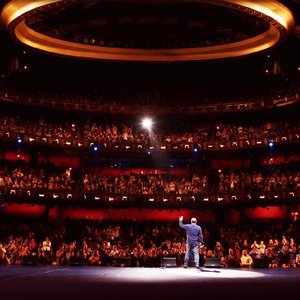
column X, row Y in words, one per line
column 149, row 30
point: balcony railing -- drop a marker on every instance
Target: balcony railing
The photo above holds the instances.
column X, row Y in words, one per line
column 93, row 106
column 163, row 146
column 95, row 198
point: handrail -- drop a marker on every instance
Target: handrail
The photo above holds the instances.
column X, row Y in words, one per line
column 292, row 137
column 80, row 196
column 92, row 106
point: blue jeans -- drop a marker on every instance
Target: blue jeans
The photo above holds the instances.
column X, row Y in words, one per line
column 189, row 249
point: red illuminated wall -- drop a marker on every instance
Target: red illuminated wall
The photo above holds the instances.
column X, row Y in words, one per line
column 232, row 216
column 62, row 161
column 206, row 216
column 267, row 213
column 26, row 210
column 229, row 163
column 15, row 156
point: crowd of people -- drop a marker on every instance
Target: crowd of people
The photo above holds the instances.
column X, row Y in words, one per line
column 144, row 244
column 90, row 132
column 227, row 182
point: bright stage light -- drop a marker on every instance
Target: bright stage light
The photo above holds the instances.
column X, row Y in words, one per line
column 147, row 123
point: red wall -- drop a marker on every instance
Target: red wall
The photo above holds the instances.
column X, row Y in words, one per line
column 62, row 161
column 233, row 216
column 267, row 213
column 229, row 163
column 15, row 156
column 26, row 210
column 206, row 216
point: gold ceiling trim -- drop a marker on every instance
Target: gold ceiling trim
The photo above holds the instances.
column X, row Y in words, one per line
column 279, row 17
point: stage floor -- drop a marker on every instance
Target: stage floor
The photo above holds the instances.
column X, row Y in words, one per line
column 56, row 283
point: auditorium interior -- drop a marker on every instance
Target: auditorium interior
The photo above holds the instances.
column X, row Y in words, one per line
column 120, row 116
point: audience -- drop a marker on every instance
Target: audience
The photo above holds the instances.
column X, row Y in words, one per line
column 104, row 243
column 111, row 135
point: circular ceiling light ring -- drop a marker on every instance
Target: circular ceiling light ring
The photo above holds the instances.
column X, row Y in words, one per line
column 280, row 20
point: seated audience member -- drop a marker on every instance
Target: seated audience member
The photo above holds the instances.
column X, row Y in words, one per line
column 246, row 260
column 270, row 257
column 297, row 261
column 3, row 256
column 230, row 259
column 284, row 257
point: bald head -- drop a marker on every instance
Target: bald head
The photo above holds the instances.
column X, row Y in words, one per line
column 193, row 220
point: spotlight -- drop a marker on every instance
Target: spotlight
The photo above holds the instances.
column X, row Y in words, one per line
column 19, row 140
column 271, row 144
column 95, row 147
column 147, row 123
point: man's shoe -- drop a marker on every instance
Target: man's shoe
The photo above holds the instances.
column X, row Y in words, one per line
column 185, row 266
column 197, row 267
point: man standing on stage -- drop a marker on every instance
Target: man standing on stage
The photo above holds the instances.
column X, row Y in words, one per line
column 194, row 236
